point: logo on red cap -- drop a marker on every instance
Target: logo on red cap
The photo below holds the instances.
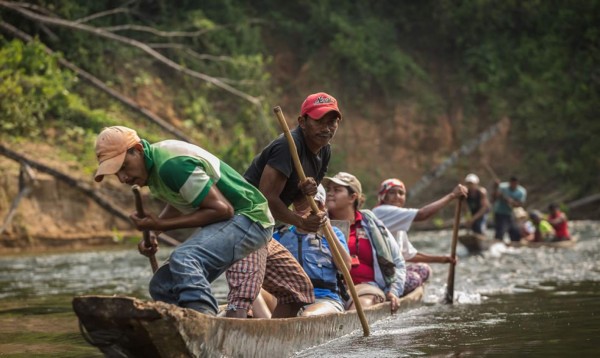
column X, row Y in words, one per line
column 323, row 99
column 318, row 104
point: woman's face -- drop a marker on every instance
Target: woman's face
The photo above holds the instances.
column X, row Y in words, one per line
column 395, row 196
column 338, row 197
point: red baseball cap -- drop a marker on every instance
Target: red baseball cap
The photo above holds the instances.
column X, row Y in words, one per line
column 319, row 104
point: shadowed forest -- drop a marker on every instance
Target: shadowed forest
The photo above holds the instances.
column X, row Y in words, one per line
column 430, row 91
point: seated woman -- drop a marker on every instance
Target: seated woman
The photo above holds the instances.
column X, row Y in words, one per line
column 313, row 253
column 558, row 220
column 526, row 228
column 390, row 210
column 544, row 232
column 378, row 269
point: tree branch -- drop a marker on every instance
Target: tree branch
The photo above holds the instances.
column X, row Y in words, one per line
column 118, row 10
column 188, row 51
column 140, row 28
column 102, row 86
column 140, row 45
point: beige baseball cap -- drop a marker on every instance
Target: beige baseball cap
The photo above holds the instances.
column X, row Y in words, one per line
column 111, row 147
column 344, row 179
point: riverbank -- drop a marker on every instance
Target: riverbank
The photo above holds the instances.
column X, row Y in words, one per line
column 68, row 242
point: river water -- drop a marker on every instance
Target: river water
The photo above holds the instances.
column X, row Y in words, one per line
column 509, row 302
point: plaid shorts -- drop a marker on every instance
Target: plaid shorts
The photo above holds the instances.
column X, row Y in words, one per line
column 244, row 279
column 277, row 270
column 416, row 275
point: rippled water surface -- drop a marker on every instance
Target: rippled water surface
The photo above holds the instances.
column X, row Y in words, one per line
column 509, row 301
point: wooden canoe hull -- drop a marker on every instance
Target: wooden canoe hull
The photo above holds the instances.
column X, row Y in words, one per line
column 475, row 243
column 555, row 244
column 129, row 327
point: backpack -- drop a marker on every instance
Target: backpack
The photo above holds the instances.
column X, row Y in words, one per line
column 379, row 239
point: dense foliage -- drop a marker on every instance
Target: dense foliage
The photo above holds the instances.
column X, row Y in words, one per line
column 534, row 61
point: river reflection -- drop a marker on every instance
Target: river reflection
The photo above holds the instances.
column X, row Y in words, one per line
column 509, row 301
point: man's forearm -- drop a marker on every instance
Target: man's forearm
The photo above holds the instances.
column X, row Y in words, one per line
column 428, row 210
column 169, row 211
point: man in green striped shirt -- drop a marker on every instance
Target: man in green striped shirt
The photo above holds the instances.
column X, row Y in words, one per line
column 201, row 191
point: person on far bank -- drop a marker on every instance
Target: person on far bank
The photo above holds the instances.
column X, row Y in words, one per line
column 507, row 195
column 390, row 210
column 314, row 254
column 200, row 191
column 272, row 171
column 378, row 268
column 478, row 204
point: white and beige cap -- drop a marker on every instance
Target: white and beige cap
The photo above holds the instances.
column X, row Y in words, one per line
column 472, row 178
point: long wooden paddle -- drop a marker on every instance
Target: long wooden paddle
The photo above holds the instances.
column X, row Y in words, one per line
column 329, row 234
column 140, row 213
column 449, row 299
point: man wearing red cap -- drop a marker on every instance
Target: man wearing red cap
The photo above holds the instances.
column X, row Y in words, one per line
column 201, row 191
column 273, row 173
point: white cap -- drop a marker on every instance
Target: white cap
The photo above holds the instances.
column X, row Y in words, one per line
column 321, row 195
column 472, row 178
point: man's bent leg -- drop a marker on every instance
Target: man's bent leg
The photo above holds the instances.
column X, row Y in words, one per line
column 286, row 280
column 513, row 231
column 245, row 279
column 501, row 224
column 208, row 253
column 478, row 226
column 161, row 285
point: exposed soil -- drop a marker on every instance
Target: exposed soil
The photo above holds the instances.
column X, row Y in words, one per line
column 55, row 215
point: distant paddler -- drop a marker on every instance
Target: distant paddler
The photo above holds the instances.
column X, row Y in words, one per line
column 478, row 204
column 398, row 219
column 507, row 196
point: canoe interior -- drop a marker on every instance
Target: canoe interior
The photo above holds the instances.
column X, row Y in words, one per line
column 129, row 327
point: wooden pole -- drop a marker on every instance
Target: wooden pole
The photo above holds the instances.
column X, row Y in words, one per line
column 449, row 299
column 329, row 234
column 491, row 171
column 140, row 213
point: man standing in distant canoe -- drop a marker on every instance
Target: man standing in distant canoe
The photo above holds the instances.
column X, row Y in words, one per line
column 273, row 172
column 507, row 195
column 201, row 191
column 478, row 204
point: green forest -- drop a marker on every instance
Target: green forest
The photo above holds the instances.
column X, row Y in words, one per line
column 211, row 71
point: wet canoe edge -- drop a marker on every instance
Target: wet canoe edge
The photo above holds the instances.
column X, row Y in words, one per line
column 476, row 243
column 130, row 327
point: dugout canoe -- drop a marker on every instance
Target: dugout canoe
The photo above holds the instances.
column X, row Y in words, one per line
column 475, row 243
column 565, row 244
column 130, row 327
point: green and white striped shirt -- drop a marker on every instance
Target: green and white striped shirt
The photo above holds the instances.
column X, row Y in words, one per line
column 181, row 174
